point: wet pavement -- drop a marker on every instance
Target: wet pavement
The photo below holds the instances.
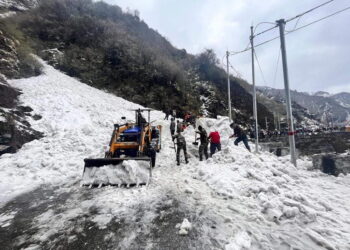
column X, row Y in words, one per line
column 82, row 233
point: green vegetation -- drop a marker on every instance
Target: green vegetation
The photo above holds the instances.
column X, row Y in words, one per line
column 15, row 48
column 117, row 51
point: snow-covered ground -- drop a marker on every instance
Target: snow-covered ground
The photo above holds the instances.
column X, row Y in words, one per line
column 234, row 200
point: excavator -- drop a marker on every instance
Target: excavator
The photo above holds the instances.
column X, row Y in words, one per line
column 131, row 155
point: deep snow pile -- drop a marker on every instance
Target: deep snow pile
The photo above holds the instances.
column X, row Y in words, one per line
column 125, row 173
column 77, row 121
column 267, row 191
column 236, row 199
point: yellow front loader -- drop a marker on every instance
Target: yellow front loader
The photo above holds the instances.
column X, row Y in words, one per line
column 131, row 155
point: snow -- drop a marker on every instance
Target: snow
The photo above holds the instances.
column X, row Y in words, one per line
column 240, row 241
column 20, row 5
column 127, row 172
column 238, row 199
column 7, row 14
column 77, row 121
column 185, row 227
column 5, row 219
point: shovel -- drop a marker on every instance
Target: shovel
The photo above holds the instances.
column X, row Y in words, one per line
column 174, row 146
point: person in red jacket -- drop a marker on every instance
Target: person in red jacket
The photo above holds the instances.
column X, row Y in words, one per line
column 215, row 143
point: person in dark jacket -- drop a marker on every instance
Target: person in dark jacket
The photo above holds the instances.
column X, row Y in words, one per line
column 172, row 127
column 166, row 115
column 178, row 126
column 215, row 142
column 181, row 145
column 241, row 136
column 203, row 148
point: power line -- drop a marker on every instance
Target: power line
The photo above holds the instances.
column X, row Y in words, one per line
column 290, row 19
column 301, row 27
column 295, row 25
column 239, row 75
column 262, row 74
column 275, row 75
column 267, row 41
column 262, row 32
column 318, row 20
column 249, row 48
column 308, row 11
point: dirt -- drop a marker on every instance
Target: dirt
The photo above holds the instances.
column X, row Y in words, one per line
column 12, row 137
column 8, row 96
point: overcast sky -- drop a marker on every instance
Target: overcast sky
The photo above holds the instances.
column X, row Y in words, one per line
column 318, row 56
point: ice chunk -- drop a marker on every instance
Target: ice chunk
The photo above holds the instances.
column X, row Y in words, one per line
column 239, row 242
column 185, row 227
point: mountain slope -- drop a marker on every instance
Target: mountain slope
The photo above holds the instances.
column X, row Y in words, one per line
column 16, row 5
column 117, row 51
column 343, row 99
column 323, row 107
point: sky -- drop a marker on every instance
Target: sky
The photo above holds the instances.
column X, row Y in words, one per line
column 318, row 56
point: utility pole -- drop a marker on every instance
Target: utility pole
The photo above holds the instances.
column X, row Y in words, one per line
column 281, row 23
column 228, row 88
column 255, row 113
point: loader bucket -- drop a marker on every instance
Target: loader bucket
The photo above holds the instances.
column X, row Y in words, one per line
column 117, row 171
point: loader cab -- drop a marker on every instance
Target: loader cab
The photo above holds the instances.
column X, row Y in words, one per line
column 130, row 135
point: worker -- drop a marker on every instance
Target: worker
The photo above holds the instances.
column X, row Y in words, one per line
column 166, row 115
column 241, row 136
column 187, row 117
column 141, row 121
column 178, row 126
column 215, row 143
column 181, row 145
column 172, row 127
column 203, row 148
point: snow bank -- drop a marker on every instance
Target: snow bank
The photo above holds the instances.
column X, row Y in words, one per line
column 126, row 173
column 77, row 121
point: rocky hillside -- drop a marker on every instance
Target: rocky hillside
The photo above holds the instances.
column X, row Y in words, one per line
column 118, row 52
column 321, row 105
column 16, row 5
column 343, row 99
column 277, row 106
column 15, row 130
column 15, row 62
